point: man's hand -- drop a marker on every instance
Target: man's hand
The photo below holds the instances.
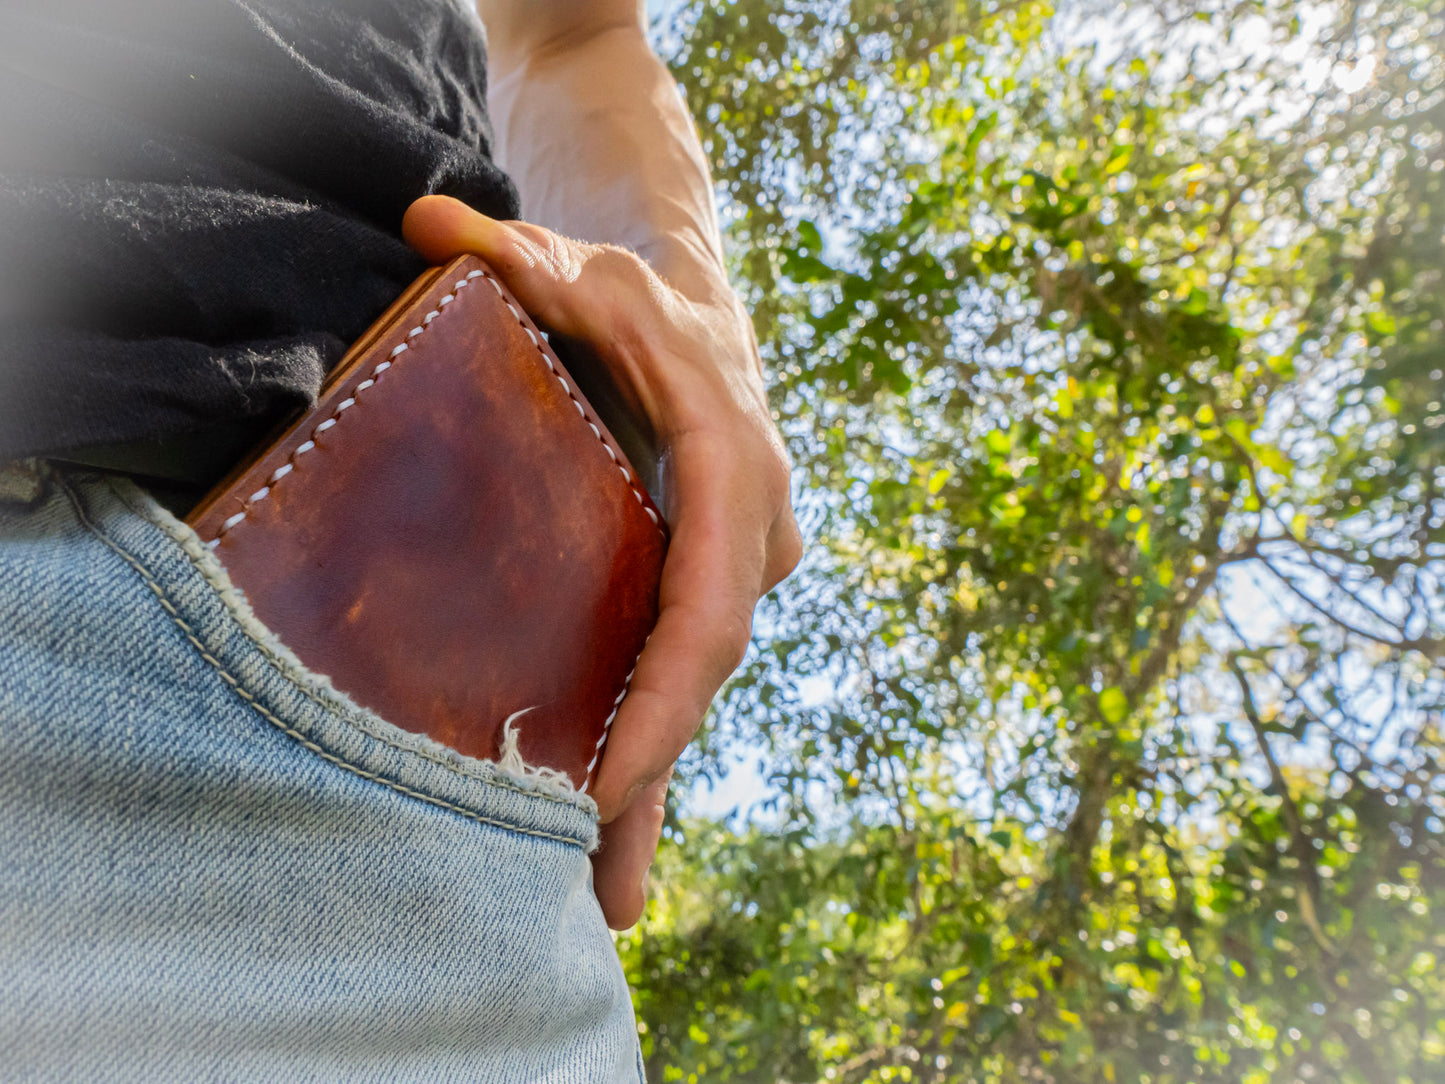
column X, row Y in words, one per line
column 688, row 363
column 590, row 126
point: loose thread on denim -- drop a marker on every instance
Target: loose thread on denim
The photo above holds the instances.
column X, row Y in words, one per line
column 509, row 756
column 283, row 668
column 274, row 720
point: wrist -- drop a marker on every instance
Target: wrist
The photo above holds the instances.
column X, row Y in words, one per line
column 602, row 148
column 523, row 30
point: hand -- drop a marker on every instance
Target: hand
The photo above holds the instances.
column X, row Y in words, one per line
column 688, row 363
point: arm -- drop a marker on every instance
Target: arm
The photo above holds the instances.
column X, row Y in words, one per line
column 590, row 125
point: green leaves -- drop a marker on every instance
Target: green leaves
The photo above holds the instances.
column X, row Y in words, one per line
column 1102, row 725
column 1113, row 705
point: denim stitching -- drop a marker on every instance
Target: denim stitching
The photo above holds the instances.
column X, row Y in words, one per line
column 266, row 714
column 488, row 775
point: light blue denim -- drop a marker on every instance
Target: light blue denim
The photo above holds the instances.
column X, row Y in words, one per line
column 214, row 868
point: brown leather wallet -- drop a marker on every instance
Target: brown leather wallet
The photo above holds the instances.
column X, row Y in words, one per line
column 451, row 534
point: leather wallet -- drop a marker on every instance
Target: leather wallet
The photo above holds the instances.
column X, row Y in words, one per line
column 451, row 534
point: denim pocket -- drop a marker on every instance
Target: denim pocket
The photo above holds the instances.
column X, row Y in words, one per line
column 214, row 866
column 192, row 588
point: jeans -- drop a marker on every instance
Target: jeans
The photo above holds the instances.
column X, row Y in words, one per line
column 215, row 867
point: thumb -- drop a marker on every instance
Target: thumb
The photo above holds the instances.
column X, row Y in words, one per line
column 535, row 263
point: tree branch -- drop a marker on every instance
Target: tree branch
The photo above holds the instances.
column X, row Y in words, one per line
column 1300, row 844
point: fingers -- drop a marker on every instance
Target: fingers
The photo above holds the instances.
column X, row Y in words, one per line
column 692, row 369
column 710, row 584
column 619, row 868
column 540, row 267
column 437, row 226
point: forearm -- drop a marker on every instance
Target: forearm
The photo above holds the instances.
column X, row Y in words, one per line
column 592, row 129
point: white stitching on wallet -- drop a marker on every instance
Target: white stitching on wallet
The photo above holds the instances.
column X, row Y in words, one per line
column 626, row 476
column 381, row 367
column 607, row 725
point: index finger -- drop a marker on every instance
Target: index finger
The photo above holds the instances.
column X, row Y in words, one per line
column 711, row 580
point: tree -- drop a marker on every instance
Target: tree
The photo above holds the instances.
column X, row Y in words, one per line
column 1105, row 715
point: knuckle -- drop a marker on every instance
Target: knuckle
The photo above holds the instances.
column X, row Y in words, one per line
column 522, row 256
column 775, row 480
column 512, row 258
column 789, row 550
column 784, row 551
column 618, row 288
column 734, row 635
column 779, row 478
column 559, row 256
column 612, row 262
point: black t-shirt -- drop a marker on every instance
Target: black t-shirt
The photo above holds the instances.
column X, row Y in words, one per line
column 200, row 208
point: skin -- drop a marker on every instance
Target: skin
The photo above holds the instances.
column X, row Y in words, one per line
column 621, row 251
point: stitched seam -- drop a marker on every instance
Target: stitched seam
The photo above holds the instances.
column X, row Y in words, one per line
column 271, row 718
column 537, row 342
column 607, row 723
column 626, row 477
column 334, row 708
column 381, row 367
column 396, row 352
column 346, row 404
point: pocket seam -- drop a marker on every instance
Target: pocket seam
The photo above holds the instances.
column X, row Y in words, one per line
column 250, row 699
column 489, row 773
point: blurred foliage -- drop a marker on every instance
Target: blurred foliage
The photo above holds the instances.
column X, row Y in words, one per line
column 1104, row 719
